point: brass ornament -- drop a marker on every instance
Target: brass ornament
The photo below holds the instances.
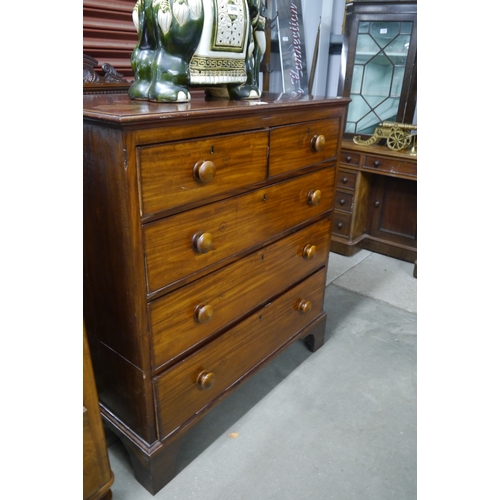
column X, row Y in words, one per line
column 397, row 135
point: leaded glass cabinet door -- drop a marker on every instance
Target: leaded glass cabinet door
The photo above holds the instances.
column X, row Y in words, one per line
column 379, row 70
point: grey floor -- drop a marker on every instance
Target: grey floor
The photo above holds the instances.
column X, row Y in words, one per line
column 337, row 424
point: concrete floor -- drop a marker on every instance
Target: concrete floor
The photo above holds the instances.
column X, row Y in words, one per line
column 337, row 424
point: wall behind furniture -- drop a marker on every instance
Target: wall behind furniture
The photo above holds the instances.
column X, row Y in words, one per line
column 109, row 33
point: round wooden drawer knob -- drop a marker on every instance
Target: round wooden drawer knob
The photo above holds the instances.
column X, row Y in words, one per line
column 314, row 197
column 309, row 252
column 344, row 180
column 203, row 313
column 340, row 225
column 342, row 202
column 205, row 380
column 203, row 242
column 204, row 171
column 318, row 143
column 376, row 163
column 349, row 159
column 305, row 306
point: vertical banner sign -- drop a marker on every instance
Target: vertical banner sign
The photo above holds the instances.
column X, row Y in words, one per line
column 292, row 47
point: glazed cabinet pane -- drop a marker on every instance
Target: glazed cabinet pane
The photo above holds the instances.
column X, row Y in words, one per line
column 380, row 62
column 380, row 69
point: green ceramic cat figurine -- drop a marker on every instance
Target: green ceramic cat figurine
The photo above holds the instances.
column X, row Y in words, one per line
column 216, row 44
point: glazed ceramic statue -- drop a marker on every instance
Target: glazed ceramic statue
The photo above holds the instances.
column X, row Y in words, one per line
column 216, row 44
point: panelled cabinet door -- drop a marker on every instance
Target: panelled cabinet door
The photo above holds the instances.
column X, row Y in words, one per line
column 393, row 205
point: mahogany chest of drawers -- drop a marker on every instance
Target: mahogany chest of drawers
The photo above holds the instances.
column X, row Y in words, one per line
column 206, row 238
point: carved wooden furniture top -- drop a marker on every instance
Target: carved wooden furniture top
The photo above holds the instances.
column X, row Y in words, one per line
column 110, row 82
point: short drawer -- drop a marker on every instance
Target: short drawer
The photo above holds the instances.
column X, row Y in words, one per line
column 346, row 179
column 185, row 243
column 349, row 158
column 341, row 224
column 390, row 165
column 344, row 201
column 197, row 381
column 177, row 173
column 297, row 146
column 184, row 318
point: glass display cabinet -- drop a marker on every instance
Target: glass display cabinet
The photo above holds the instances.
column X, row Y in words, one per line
column 379, row 64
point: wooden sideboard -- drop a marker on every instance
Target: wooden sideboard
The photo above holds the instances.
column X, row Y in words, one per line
column 206, row 238
column 97, row 474
column 375, row 202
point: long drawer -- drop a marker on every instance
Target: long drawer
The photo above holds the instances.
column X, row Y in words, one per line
column 199, row 379
column 184, row 318
column 185, row 243
column 390, row 165
column 177, row 173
